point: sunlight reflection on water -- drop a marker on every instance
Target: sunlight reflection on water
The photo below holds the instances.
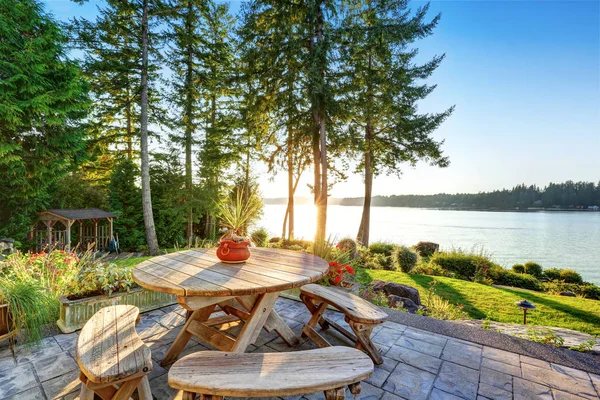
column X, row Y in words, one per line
column 554, row 239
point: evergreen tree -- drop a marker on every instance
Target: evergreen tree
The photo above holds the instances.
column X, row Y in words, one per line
column 382, row 88
column 43, row 100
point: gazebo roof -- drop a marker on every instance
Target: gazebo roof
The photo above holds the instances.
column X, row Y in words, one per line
column 77, row 213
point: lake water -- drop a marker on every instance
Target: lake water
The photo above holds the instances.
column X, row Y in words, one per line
column 552, row 239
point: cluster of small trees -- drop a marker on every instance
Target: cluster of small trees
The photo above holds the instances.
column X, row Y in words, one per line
column 564, row 195
column 312, row 84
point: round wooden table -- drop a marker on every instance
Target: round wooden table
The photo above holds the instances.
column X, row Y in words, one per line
column 246, row 292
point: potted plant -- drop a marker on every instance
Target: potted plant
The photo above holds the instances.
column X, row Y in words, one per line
column 236, row 214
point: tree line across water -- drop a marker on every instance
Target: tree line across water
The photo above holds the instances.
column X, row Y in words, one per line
column 299, row 86
column 567, row 195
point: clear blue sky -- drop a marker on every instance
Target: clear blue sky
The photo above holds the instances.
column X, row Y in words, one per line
column 525, row 79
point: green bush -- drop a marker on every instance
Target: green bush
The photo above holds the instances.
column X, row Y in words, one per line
column 518, row 268
column 431, row 269
column 570, row 276
column 426, row 249
column 587, row 290
column 260, row 237
column 348, row 245
column 382, row 248
column 552, row 274
column 385, row 262
column 96, row 278
column 462, row 264
column 406, row 259
column 504, row 277
column 533, row 269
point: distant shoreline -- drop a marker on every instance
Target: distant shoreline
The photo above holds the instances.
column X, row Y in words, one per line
column 340, row 202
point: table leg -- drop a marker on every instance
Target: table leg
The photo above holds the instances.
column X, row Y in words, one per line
column 274, row 322
column 184, row 336
column 254, row 324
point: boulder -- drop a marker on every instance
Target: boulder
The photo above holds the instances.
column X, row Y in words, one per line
column 397, row 289
column 569, row 294
column 404, row 302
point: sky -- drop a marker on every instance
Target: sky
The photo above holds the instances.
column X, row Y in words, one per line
column 525, row 79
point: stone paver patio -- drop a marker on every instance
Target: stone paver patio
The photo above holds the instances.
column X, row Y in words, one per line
column 418, row 364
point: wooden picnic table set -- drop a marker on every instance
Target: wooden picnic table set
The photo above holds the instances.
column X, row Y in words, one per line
column 218, row 296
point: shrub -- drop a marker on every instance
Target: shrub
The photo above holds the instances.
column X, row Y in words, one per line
column 260, row 237
column 518, row 268
column 274, row 240
column 382, row 248
column 552, row 274
column 385, row 262
column 101, row 278
column 508, row 278
column 463, row 265
column 431, row 269
column 348, row 245
column 533, row 269
column 406, row 259
column 570, row 276
column 426, row 249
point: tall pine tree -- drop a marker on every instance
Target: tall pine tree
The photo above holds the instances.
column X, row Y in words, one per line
column 43, row 99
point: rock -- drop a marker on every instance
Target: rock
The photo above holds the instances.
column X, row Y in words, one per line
column 377, row 285
column 404, row 302
column 400, row 290
column 569, row 294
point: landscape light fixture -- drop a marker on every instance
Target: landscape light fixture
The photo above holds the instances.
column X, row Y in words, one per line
column 525, row 305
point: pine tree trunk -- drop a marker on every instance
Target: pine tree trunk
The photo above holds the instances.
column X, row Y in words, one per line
column 189, row 127
column 290, row 166
column 129, row 137
column 146, row 196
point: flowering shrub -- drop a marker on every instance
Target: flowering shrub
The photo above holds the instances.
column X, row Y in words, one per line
column 101, row 278
column 338, row 273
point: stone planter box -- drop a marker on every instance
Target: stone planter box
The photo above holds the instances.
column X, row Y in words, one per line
column 75, row 313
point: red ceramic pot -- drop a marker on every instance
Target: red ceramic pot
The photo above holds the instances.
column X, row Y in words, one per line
column 233, row 252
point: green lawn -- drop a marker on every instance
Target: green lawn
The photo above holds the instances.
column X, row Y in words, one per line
column 131, row 261
column 497, row 304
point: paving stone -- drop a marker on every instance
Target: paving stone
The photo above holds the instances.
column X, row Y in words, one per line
column 500, row 366
column 496, row 378
column 560, row 381
column 159, row 353
column 157, row 370
column 67, row 341
column 35, row 393
column 5, row 350
column 62, row 385
column 424, row 336
column 409, row 382
column 458, row 380
column 503, row 356
column 386, row 336
column 161, row 390
column 560, row 395
column 572, row 372
column 466, row 342
column 171, row 320
column 535, row 361
column 596, row 382
column 414, row 358
column 54, row 365
column 47, row 347
column 391, row 396
column 437, row 394
column 379, row 377
column 527, row 390
column 493, row 392
column 148, row 327
column 459, row 353
column 420, row 346
column 388, row 363
column 7, row 363
column 17, row 380
column 394, row 325
column 480, row 397
column 368, row 392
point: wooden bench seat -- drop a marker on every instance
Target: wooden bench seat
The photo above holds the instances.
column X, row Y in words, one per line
column 361, row 315
column 112, row 358
column 215, row 374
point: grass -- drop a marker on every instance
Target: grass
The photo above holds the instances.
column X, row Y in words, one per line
column 498, row 304
column 130, row 262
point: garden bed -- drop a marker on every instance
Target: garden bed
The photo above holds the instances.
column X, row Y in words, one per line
column 75, row 313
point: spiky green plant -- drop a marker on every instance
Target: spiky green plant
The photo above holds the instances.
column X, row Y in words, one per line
column 236, row 213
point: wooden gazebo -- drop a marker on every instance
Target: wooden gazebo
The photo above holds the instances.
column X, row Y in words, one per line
column 92, row 232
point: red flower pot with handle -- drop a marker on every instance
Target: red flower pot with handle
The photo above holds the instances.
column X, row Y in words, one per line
column 230, row 251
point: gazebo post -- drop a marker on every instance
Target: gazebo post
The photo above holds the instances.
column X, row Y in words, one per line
column 68, row 235
column 80, row 232
column 111, row 227
column 95, row 233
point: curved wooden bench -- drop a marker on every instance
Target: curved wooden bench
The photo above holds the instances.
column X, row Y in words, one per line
column 216, row 374
column 112, row 358
column 361, row 315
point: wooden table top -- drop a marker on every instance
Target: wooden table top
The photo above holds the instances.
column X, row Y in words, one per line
column 199, row 272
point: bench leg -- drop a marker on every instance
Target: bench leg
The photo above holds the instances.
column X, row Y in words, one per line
column 335, row 394
column 126, row 389
column 86, row 393
column 354, row 388
column 144, row 392
column 210, row 397
column 313, row 309
column 188, row 396
column 364, row 342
